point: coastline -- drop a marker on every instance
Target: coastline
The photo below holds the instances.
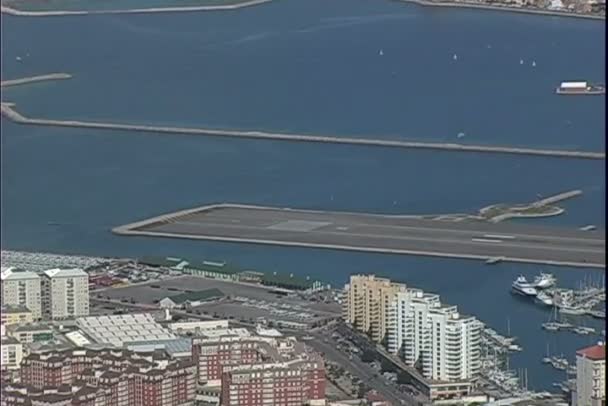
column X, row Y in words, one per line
column 22, row 13
column 554, row 13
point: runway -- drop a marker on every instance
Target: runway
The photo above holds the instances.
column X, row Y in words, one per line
column 456, row 238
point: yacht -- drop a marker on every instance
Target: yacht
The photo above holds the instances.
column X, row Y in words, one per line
column 523, row 287
column 568, row 309
column 545, row 298
column 544, row 281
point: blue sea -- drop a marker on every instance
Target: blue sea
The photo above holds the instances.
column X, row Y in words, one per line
column 307, row 66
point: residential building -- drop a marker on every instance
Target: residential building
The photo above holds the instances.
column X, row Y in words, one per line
column 591, row 376
column 442, row 343
column 22, row 288
column 12, row 314
column 296, row 382
column 31, row 333
column 65, row 293
column 12, row 353
column 366, row 304
column 113, row 377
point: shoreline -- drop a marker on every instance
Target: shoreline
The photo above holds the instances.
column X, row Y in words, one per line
column 24, row 13
column 554, row 13
column 11, row 10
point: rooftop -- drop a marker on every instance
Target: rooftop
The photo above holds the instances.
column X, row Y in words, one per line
column 7, row 309
column 120, row 329
column 596, row 352
column 65, row 273
column 11, row 273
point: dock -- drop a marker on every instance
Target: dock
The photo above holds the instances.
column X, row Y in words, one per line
column 12, row 114
column 390, row 234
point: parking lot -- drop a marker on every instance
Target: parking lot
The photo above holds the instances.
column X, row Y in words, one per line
column 242, row 302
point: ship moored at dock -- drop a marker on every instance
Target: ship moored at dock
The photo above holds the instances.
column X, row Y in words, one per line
column 573, row 88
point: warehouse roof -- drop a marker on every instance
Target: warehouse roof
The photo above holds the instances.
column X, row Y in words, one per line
column 207, row 294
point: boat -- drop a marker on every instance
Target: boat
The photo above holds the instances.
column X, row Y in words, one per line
column 571, row 88
column 521, row 61
column 533, row 63
column 545, row 298
column 544, row 281
column 551, row 326
column 381, row 52
column 18, row 58
column 575, row 311
column 599, row 314
column 583, row 330
column 455, row 57
column 522, row 287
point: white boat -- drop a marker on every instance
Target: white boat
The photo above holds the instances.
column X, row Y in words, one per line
column 533, row 63
column 455, row 57
column 545, row 298
column 584, row 330
column 576, row 311
column 521, row 61
column 544, row 281
column 551, row 326
column 18, row 58
column 523, row 287
column 381, row 52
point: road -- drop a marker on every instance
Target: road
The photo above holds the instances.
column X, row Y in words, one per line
column 359, row 369
column 466, row 239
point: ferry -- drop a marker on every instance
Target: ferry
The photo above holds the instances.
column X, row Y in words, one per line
column 544, row 281
column 523, row 287
column 571, row 88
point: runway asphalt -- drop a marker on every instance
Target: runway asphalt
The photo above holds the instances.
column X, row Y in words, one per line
column 391, row 234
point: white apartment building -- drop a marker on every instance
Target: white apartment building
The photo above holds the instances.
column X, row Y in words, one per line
column 591, row 376
column 65, row 293
column 444, row 344
column 22, row 288
column 12, row 352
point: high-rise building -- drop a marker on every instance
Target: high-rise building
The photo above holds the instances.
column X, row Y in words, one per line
column 442, row 343
column 366, row 304
column 591, row 376
column 22, row 288
column 65, row 293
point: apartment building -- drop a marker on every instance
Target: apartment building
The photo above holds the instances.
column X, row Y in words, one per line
column 12, row 315
column 366, row 304
column 443, row 343
column 291, row 383
column 112, row 377
column 21, row 288
column 591, row 376
column 65, row 293
column 12, row 353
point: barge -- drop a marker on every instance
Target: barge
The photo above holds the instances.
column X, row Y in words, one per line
column 580, row 88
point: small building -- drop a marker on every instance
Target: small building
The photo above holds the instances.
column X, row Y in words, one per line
column 213, row 270
column 12, row 353
column 16, row 314
column 31, row 332
column 191, row 299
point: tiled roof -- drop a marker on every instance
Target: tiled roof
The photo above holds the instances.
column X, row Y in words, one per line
column 595, row 352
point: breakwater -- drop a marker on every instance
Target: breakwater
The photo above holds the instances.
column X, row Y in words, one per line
column 23, row 13
column 9, row 112
column 35, row 79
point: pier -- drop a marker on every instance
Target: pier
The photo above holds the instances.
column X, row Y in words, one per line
column 407, row 235
column 9, row 112
column 34, row 79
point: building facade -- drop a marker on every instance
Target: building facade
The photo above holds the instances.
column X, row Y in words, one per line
column 22, row 288
column 591, row 376
column 292, row 383
column 12, row 315
column 12, row 353
column 65, row 293
column 116, row 377
column 366, row 304
column 442, row 343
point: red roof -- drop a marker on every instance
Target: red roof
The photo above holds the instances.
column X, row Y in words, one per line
column 595, row 352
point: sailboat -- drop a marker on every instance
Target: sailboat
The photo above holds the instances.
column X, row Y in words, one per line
column 547, row 358
column 533, row 63
column 521, row 61
column 455, row 57
column 381, row 52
